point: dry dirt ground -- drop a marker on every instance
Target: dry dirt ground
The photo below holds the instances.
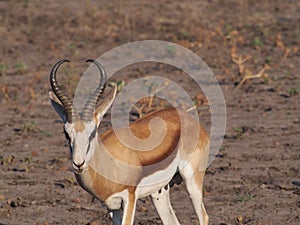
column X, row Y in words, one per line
column 254, row 180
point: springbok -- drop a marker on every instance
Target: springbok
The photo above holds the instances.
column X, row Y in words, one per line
column 98, row 160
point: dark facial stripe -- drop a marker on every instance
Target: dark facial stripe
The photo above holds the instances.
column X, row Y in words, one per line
column 68, row 140
column 91, row 137
column 88, row 148
column 67, row 136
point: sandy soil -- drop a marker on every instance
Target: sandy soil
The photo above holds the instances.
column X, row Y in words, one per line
column 255, row 178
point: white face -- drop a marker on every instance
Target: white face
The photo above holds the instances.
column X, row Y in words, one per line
column 82, row 135
column 82, row 138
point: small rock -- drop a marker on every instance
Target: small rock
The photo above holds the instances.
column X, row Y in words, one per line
column 34, row 153
column 284, row 94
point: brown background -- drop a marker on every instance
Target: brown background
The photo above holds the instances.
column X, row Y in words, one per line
column 255, row 178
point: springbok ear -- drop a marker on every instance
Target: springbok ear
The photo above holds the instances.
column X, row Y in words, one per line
column 57, row 105
column 104, row 106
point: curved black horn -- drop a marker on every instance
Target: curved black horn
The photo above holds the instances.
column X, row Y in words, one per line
column 90, row 105
column 58, row 91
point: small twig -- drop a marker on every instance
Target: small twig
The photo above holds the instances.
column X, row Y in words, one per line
column 150, row 102
column 4, row 90
column 251, row 76
column 140, row 110
column 286, row 54
column 191, row 108
column 240, row 61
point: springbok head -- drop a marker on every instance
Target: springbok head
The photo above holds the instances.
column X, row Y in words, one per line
column 80, row 128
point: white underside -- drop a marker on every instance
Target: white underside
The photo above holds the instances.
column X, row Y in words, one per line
column 156, row 181
column 147, row 186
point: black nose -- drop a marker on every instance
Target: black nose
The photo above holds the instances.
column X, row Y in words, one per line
column 80, row 165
